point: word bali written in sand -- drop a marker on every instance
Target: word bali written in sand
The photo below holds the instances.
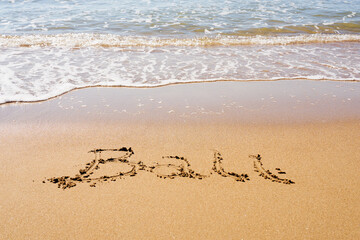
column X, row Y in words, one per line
column 181, row 170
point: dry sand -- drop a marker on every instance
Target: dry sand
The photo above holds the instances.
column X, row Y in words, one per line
column 311, row 131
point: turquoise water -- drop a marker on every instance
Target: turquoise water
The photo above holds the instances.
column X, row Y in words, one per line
column 180, row 17
column 50, row 47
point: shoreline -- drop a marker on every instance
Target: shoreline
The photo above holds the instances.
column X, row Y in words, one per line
column 222, row 102
column 176, row 83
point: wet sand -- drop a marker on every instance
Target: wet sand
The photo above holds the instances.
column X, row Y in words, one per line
column 306, row 132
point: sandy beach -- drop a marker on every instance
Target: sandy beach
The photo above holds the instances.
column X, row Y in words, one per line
column 179, row 119
column 303, row 132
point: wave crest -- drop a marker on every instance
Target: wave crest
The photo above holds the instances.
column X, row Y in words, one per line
column 82, row 40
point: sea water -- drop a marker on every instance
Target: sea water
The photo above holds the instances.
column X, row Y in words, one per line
column 48, row 47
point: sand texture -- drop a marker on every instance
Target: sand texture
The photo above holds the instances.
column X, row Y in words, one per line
column 198, row 167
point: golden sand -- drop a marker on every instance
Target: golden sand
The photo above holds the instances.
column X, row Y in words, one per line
column 182, row 196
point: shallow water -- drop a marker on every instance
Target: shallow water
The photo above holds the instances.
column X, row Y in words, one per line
column 179, row 17
column 50, row 47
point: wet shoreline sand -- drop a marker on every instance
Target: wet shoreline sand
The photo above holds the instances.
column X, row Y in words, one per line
column 308, row 130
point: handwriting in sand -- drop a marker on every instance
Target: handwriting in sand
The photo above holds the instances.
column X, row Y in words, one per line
column 182, row 169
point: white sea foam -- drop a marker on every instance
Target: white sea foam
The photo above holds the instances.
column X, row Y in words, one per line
column 37, row 73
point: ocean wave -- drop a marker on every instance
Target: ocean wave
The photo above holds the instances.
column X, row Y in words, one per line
column 83, row 40
column 38, row 73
